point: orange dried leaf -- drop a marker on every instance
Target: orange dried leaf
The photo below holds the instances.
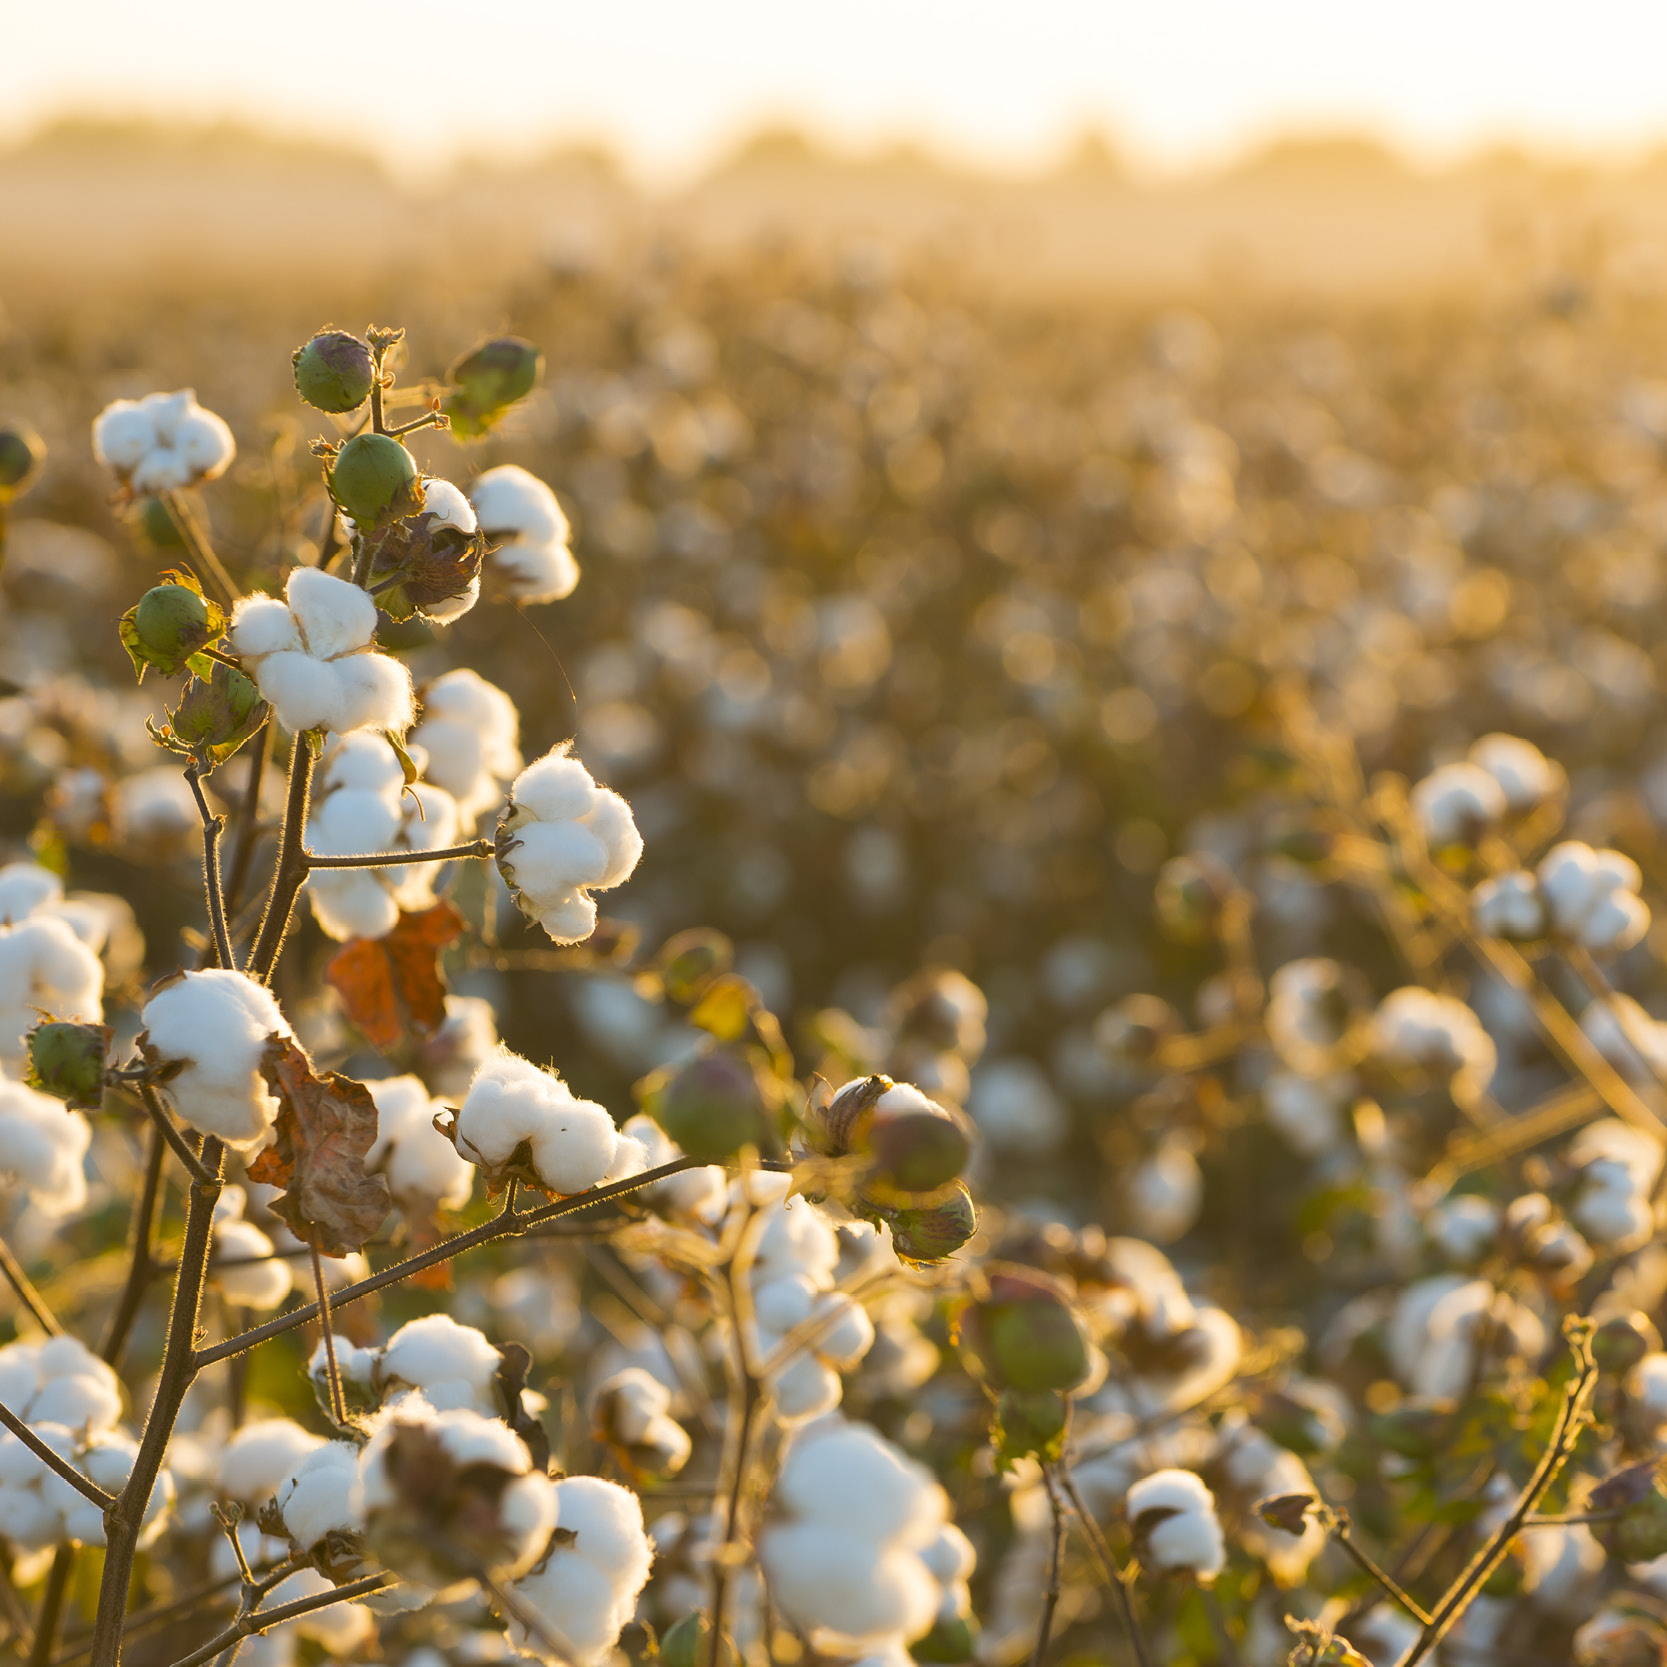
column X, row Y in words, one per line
column 393, row 987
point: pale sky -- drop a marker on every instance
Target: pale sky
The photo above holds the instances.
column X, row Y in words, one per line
column 670, row 81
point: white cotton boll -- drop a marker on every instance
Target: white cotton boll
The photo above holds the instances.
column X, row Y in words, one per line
column 25, row 888
column 44, row 968
column 314, row 1499
column 162, row 442
column 261, row 1455
column 436, row 1349
column 1189, row 1540
column 846, row 1333
column 334, row 616
column 420, row 1164
column 43, row 1147
column 1165, row 1192
column 780, row 1304
column 528, row 534
column 948, row 1556
column 610, row 820
column 570, row 921
column 263, row 625
column 827, row 1578
column 552, row 858
column 1456, row 803
column 573, row 1151
column 572, row 1141
column 1592, row 896
column 122, row 433
column 848, row 1475
column 607, row 1524
column 805, row 1387
column 338, row 1627
column 447, row 505
column 470, row 731
column 1464, row 1228
column 1418, row 1029
column 210, row 1029
column 1509, row 907
column 259, row 1285
column 374, row 692
column 555, row 788
column 1525, row 775
column 1308, row 1111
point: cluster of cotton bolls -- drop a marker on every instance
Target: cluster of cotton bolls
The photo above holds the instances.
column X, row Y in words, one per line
column 448, row 1364
column 469, row 732
column 1504, row 777
column 1442, row 1331
column 631, row 1413
column 313, row 656
column 518, row 1121
column 859, row 1553
column 795, row 1257
column 528, row 538
column 365, row 805
column 1419, row 1030
column 163, row 442
column 562, row 839
column 43, row 1148
column 1615, row 1167
column 71, row 1401
column 1582, row 896
column 49, row 960
column 206, row 1034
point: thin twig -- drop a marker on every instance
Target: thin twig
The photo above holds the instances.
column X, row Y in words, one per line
column 53, row 1600
column 83, row 1485
column 1337, row 1523
column 1114, row 1577
column 263, row 1620
column 1056, row 1557
column 291, row 869
column 248, row 820
column 12, row 1271
column 338, row 1402
column 196, row 541
column 213, row 826
column 160, row 1118
column 392, row 859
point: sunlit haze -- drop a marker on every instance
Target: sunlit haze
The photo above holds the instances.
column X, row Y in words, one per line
column 669, row 83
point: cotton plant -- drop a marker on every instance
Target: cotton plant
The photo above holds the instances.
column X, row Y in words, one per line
column 529, row 542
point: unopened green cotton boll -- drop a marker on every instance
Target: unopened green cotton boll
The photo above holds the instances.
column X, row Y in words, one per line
column 334, row 371
column 374, row 477
column 21, row 455
column 1023, row 1333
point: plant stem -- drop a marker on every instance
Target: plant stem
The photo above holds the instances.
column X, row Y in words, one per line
column 198, row 547
column 88, row 1489
column 52, row 1605
column 499, row 1227
column 292, row 865
column 1571, row 1418
column 1339, row 1526
column 169, row 1130
column 1114, row 1576
column 262, row 1620
column 248, row 819
column 338, row 1403
column 213, row 826
column 141, row 1263
column 13, row 1272
column 1056, row 1556
column 126, row 1515
column 392, row 859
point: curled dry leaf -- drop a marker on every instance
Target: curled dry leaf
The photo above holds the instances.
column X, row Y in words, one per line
column 394, row 987
column 326, row 1126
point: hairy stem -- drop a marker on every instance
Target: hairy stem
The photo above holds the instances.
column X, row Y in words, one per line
column 126, row 1515
column 12, row 1271
column 291, row 870
column 88, row 1490
column 53, row 1600
column 165, row 1125
column 262, row 1620
column 393, row 859
column 213, row 826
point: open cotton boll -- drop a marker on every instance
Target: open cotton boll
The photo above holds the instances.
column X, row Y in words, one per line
column 585, row 1592
column 25, row 889
column 1418, row 1029
column 43, row 1148
column 828, row 1579
column 849, row 1475
column 315, row 1497
column 242, row 1266
column 313, row 657
column 423, row 1168
column 570, row 1142
column 1173, row 1515
column 163, row 442
column 1525, row 776
column 1592, row 896
column 260, row 1455
column 471, row 733
column 44, row 968
column 1456, row 804
column 60, row 1381
column 208, row 1031
column 448, row 1497
column 630, row 1411
column 562, row 838
column 528, row 538
column 435, row 1353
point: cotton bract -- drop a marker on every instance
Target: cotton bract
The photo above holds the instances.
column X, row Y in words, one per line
column 162, row 442
column 563, row 838
column 585, row 1590
column 313, row 657
column 570, row 1144
column 528, row 538
column 364, row 806
column 208, row 1032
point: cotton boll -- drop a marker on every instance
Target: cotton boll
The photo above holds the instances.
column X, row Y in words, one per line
column 259, row 1456
column 162, row 442
column 1592, row 896
column 805, row 1387
column 43, row 1148
column 314, row 1499
column 571, row 1142
column 1457, row 803
column 44, row 968
column 338, row 1627
column 333, row 616
column 1417, row 1029
column 422, row 1167
column 1510, row 907
column 25, row 889
column 695, row 1194
column 447, row 505
column 210, row 1030
column 436, row 1350
column 527, row 533
column 1526, row 777
column 826, row 1578
column 1174, row 1519
column 848, row 1474
column 255, row 1284
column 470, row 731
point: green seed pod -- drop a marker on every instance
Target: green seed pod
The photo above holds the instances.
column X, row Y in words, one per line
column 374, row 479
column 713, row 1106
column 67, row 1061
column 21, row 456
column 217, row 714
column 950, row 1641
column 930, row 1232
column 1639, row 1534
column 167, row 625
column 687, row 1645
column 334, row 371
column 1030, row 1424
column 1020, row 1331
column 487, row 381
column 688, row 962
column 918, row 1151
